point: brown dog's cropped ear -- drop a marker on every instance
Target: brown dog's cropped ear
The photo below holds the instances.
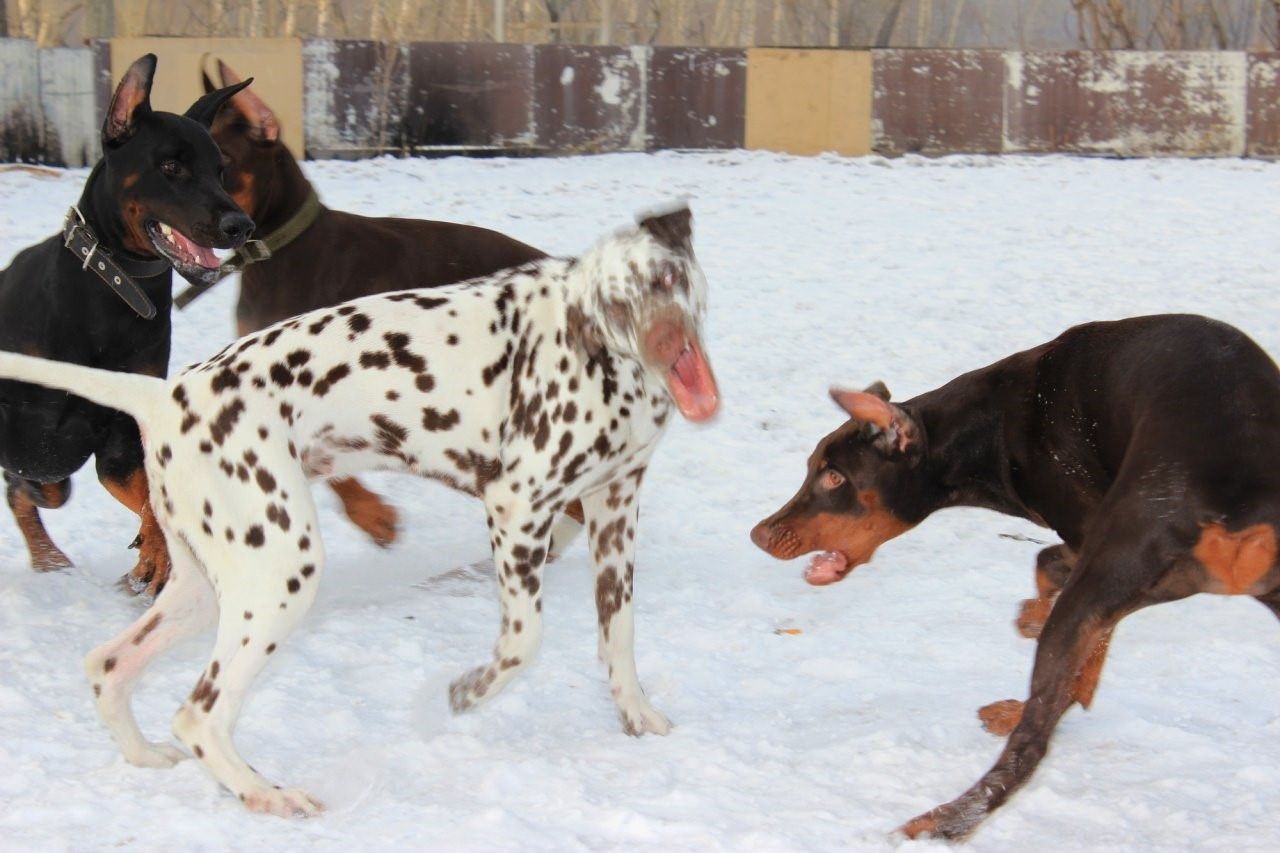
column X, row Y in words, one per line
column 206, row 106
column 131, row 101
column 879, row 389
column 262, row 121
column 673, row 229
column 898, row 430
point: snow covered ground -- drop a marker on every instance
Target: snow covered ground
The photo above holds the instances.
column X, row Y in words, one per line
column 821, row 270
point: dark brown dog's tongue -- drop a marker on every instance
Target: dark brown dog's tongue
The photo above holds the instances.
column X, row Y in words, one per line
column 693, row 385
column 827, row 567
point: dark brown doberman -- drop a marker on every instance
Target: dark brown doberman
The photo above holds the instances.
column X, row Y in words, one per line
column 321, row 257
column 1150, row 445
column 98, row 294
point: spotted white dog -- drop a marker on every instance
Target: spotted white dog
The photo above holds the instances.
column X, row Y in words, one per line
column 531, row 388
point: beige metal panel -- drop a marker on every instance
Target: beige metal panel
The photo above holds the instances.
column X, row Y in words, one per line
column 274, row 63
column 809, row 101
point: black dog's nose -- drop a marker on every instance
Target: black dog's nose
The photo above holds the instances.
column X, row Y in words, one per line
column 235, row 227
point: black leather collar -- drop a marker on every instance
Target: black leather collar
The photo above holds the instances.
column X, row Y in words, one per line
column 118, row 273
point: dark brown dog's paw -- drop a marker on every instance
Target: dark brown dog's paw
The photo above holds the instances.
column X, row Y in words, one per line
column 1031, row 619
column 367, row 510
column 380, row 521
column 1000, row 718
column 950, row 822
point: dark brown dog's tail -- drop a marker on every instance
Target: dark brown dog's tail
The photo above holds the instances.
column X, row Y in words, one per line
column 131, row 393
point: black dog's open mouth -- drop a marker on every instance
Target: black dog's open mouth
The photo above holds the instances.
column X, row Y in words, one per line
column 187, row 256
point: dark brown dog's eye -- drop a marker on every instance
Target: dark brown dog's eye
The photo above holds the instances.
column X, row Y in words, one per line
column 172, row 168
column 831, row 480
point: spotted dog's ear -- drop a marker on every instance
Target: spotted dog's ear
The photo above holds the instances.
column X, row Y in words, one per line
column 582, row 333
column 673, row 229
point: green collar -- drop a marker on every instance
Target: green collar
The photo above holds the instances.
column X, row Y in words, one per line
column 259, row 250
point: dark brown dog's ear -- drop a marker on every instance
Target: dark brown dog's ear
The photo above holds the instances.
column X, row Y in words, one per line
column 263, row 124
column 583, row 333
column 673, row 229
column 130, row 103
column 206, row 106
column 898, row 430
column 879, row 389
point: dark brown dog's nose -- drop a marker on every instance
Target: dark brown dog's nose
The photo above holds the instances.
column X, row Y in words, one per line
column 235, row 227
column 761, row 534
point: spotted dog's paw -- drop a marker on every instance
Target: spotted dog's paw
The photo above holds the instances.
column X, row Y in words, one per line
column 471, row 689
column 639, row 717
column 282, row 802
column 159, row 756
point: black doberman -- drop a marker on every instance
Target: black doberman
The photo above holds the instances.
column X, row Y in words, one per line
column 99, row 294
column 1150, row 445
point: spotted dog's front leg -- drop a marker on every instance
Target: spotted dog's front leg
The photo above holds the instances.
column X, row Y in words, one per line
column 611, row 515
column 520, row 538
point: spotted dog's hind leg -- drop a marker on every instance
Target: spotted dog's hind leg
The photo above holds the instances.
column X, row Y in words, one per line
column 184, row 607
column 266, row 582
column 519, row 537
column 611, row 515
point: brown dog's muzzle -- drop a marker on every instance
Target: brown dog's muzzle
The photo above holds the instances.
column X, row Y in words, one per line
column 778, row 540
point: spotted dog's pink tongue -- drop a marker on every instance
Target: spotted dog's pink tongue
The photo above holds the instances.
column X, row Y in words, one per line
column 185, row 247
column 827, row 567
column 693, row 386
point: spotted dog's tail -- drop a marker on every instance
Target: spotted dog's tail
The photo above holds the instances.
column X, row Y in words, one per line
column 131, row 393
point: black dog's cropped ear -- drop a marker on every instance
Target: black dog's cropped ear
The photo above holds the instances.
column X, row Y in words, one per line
column 879, row 389
column 130, row 103
column 207, row 106
column 673, row 228
column 898, row 432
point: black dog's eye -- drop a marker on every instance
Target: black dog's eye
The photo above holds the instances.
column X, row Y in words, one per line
column 831, row 479
column 172, row 168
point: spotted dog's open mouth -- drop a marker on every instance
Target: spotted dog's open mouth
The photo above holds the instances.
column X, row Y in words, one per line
column 691, row 382
column 187, row 256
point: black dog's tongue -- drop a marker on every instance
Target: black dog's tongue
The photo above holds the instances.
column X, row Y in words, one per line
column 188, row 249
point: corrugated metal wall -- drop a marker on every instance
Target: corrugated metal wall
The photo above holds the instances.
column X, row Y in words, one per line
column 363, row 97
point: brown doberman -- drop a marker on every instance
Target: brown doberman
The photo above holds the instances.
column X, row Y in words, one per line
column 1150, row 445
column 317, row 257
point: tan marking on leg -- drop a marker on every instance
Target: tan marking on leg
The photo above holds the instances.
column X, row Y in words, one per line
column 152, row 568
column 45, row 556
column 1236, row 561
column 366, row 510
column 1001, row 717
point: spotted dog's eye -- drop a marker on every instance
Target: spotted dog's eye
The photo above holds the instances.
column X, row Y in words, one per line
column 830, row 479
column 172, row 168
column 667, row 278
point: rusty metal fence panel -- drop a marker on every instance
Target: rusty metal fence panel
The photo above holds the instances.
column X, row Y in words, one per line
column 697, row 97
column 589, row 98
column 1262, row 137
column 937, row 101
column 1128, row 103
column 354, row 97
column 469, row 96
